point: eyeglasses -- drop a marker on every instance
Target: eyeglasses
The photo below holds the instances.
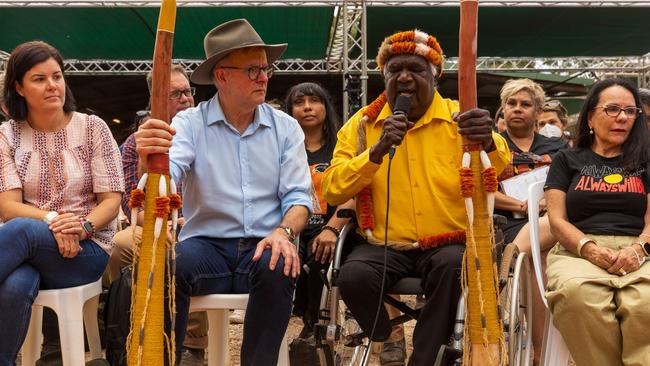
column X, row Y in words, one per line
column 176, row 94
column 253, row 71
column 614, row 110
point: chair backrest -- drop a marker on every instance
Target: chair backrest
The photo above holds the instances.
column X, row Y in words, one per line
column 536, row 193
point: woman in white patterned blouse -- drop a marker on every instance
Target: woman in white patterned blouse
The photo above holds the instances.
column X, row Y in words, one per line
column 60, row 188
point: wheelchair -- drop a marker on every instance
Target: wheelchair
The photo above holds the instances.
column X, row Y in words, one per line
column 340, row 341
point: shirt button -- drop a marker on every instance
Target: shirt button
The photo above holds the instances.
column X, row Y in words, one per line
column 419, row 213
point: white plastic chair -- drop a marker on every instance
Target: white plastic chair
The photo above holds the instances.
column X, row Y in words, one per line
column 74, row 307
column 554, row 350
column 218, row 307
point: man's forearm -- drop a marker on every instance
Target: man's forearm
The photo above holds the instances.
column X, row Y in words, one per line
column 295, row 218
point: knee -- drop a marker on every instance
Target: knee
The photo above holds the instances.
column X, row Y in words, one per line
column 21, row 285
column 263, row 274
column 356, row 276
column 570, row 298
column 21, row 226
column 123, row 241
column 447, row 261
column 636, row 303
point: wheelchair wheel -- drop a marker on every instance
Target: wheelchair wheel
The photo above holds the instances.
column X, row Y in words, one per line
column 515, row 300
column 343, row 341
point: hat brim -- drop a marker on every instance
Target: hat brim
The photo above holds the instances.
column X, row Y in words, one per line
column 202, row 75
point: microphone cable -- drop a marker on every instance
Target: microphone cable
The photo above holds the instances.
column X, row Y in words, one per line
column 380, row 303
column 402, row 106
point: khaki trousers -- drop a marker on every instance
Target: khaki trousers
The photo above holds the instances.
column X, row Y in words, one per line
column 603, row 318
column 122, row 256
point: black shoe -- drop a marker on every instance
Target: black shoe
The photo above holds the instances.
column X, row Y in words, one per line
column 192, row 357
column 50, row 354
column 393, row 353
column 306, row 332
column 303, row 352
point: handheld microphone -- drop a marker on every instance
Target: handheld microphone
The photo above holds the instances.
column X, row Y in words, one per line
column 402, row 107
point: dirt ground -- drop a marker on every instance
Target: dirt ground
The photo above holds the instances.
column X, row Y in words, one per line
column 295, row 325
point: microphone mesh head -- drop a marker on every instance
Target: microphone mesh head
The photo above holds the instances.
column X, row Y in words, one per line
column 402, row 104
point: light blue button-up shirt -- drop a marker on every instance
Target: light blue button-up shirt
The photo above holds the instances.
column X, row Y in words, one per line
column 237, row 185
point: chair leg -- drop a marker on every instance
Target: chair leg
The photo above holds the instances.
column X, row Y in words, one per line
column 554, row 349
column 71, row 330
column 32, row 346
column 92, row 327
column 218, row 351
column 283, row 356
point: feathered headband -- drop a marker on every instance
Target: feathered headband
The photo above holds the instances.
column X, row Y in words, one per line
column 413, row 42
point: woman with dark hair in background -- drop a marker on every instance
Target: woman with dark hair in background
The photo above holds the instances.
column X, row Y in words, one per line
column 60, row 188
column 312, row 107
column 597, row 194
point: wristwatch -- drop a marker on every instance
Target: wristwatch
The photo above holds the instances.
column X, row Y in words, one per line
column 646, row 248
column 289, row 231
column 88, row 227
column 49, row 217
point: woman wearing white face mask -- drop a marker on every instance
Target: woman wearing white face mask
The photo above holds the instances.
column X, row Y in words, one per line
column 554, row 114
column 551, row 131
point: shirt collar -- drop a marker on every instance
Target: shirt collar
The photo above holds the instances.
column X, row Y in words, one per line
column 215, row 114
column 438, row 110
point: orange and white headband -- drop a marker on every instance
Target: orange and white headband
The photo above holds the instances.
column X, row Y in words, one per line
column 413, row 42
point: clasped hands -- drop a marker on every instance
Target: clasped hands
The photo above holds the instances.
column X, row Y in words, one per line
column 67, row 231
column 621, row 262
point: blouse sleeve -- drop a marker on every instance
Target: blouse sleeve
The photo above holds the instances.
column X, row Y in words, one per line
column 559, row 175
column 106, row 163
column 9, row 177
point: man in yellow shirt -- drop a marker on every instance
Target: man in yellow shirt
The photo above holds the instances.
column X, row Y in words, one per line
column 426, row 211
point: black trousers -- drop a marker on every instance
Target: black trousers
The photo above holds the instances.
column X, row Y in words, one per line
column 360, row 284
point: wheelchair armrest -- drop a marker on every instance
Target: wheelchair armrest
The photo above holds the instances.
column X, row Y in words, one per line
column 338, row 251
column 346, row 213
column 499, row 220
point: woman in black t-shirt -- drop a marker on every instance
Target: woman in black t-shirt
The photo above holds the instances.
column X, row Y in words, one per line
column 312, row 107
column 597, row 194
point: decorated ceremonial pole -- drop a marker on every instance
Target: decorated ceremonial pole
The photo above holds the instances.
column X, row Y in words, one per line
column 484, row 339
column 147, row 341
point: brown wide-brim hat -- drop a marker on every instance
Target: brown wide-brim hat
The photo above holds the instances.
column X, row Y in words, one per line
column 227, row 37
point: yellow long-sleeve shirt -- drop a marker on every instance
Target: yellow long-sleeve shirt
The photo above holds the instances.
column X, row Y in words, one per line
column 425, row 195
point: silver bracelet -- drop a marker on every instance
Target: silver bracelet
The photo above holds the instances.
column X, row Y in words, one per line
column 638, row 257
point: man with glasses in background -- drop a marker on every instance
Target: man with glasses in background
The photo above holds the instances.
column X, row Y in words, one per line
column 181, row 97
column 246, row 189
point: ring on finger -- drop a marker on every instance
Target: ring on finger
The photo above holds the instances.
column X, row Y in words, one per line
column 622, row 272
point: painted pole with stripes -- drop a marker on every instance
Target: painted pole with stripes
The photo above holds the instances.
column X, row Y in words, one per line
column 484, row 339
column 154, row 256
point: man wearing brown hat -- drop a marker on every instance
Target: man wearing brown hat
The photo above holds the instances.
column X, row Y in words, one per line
column 246, row 189
column 426, row 214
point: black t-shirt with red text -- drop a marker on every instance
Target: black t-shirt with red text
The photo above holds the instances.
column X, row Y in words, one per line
column 318, row 162
column 601, row 197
